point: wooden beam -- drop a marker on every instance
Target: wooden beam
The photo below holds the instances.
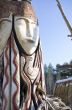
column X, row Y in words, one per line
column 64, row 17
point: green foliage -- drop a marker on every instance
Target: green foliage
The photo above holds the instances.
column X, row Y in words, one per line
column 60, row 72
column 45, row 69
column 49, row 78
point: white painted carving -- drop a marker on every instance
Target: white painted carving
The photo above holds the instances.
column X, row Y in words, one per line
column 27, row 32
column 5, row 30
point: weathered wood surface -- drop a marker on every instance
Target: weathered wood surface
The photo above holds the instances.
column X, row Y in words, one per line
column 63, row 89
column 17, row 8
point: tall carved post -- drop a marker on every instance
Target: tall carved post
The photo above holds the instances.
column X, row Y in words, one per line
column 21, row 66
column 22, row 83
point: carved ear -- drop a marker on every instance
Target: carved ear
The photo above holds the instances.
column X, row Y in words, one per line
column 64, row 17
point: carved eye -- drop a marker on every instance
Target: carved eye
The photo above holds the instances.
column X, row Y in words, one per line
column 3, row 23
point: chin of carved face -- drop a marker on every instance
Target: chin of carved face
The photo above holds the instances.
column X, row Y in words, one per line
column 27, row 33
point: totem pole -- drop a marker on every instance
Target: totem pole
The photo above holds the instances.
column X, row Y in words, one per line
column 21, row 66
column 22, row 83
column 64, row 17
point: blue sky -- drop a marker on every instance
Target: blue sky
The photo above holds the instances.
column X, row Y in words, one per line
column 56, row 46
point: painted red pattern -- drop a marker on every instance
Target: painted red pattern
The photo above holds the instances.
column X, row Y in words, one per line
column 26, row 79
column 6, row 75
column 15, row 107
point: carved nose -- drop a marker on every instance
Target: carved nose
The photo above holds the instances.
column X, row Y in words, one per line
column 28, row 30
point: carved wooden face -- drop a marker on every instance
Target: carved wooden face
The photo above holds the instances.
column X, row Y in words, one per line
column 27, row 33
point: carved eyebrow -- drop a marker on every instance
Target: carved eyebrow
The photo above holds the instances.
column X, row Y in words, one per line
column 5, row 19
column 26, row 19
